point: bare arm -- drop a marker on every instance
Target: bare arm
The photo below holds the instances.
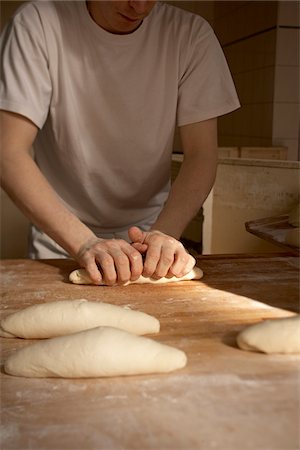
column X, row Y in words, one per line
column 189, row 191
column 195, row 178
column 29, row 189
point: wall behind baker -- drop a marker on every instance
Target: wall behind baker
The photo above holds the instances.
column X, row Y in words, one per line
column 261, row 42
column 7, row 9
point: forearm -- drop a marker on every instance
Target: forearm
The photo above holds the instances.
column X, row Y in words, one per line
column 187, row 195
column 24, row 183
column 29, row 189
column 195, row 178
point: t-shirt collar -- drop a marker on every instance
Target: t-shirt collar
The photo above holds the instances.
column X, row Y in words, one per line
column 106, row 35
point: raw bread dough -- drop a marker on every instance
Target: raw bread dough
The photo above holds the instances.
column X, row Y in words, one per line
column 100, row 352
column 272, row 336
column 80, row 276
column 69, row 316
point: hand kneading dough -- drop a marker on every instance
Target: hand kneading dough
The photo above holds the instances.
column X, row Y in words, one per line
column 80, row 276
column 69, row 316
column 272, row 336
column 100, row 352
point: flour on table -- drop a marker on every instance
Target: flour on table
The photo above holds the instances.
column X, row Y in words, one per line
column 63, row 317
column 80, row 276
column 272, row 336
column 99, row 352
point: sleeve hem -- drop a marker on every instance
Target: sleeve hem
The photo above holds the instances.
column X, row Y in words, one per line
column 23, row 110
column 199, row 117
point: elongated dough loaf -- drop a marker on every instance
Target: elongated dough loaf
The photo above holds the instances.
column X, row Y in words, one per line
column 100, row 352
column 63, row 317
column 80, row 276
column 272, row 336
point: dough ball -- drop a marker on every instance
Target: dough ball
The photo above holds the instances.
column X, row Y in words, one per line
column 272, row 336
column 100, row 352
column 69, row 316
column 80, row 276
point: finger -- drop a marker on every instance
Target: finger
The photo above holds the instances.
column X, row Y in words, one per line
column 93, row 272
column 142, row 248
column 152, row 258
column 87, row 260
column 168, row 251
column 165, row 261
column 107, row 268
column 122, row 265
column 128, row 261
column 190, row 265
column 136, row 235
column 183, row 263
column 135, row 260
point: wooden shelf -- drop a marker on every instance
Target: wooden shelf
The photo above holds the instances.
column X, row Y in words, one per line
column 273, row 229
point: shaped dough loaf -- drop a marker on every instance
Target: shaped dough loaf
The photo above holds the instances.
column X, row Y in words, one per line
column 272, row 336
column 69, row 316
column 100, row 352
column 80, row 276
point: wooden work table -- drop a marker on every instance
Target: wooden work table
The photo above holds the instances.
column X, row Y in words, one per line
column 225, row 398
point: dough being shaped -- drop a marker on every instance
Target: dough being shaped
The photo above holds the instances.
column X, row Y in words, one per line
column 63, row 317
column 272, row 336
column 80, row 276
column 100, row 352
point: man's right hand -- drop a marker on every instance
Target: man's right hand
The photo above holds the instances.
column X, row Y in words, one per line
column 110, row 261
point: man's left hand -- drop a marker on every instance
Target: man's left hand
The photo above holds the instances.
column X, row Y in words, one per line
column 165, row 256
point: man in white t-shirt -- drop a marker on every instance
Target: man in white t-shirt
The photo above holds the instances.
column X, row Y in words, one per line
column 97, row 89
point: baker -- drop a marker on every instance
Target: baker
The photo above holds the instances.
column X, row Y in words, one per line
column 96, row 88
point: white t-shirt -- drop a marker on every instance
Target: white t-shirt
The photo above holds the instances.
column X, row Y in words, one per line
column 107, row 105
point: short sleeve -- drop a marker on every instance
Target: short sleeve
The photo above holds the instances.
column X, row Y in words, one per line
column 25, row 85
column 206, row 88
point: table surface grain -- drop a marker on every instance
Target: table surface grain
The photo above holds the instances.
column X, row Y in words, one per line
column 225, row 398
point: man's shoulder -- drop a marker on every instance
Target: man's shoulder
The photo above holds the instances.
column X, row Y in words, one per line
column 27, row 9
column 180, row 19
column 44, row 9
column 41, row 15
column 30, row 12
column 174, row 12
